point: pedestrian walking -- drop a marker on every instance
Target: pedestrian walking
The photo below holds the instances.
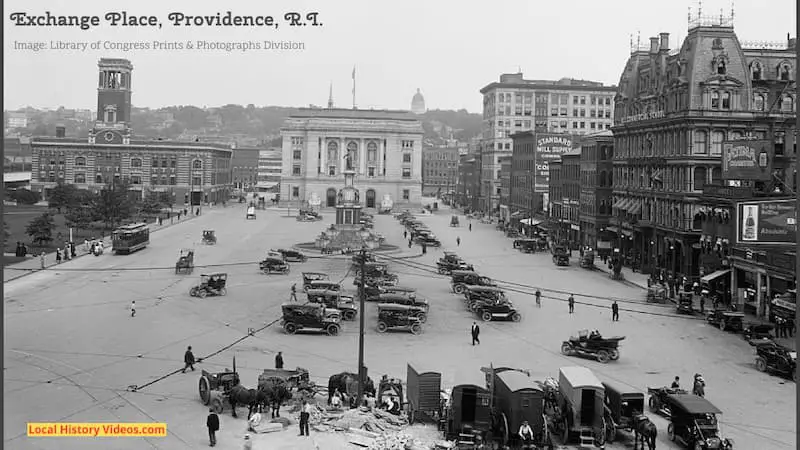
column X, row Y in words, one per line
column 539, row 298
column 293, row 295
column 614, row 312
column 702, row 304
column 58, row 256
column 188, row 360
column 86, row 245
column 409, row 243
column 279, row 360
column 133, row 308
column 470, row 226
column 212, row 422
column 458, row 241
column 42, row 260
column 571, row 302
column 790, row 327
column 424, row 249
column 476, row 332
column 405, row 234
column 72, row 251
column 305, row 413
column 197, row 212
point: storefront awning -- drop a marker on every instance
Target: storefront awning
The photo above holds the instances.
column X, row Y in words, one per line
column 715, row 275
column 636, row 207
column 613, row 229
column 625, row 204
column 531, row 222
column 618, row 203
column 516, row 214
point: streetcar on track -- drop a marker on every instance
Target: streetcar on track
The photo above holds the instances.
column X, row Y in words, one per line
column 130, row 238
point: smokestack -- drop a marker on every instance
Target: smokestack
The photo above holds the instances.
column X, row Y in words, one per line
column 61, row 131
column 664, row 41
column 653, row 45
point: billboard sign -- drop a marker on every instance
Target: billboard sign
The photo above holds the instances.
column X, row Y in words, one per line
column 548, row 148
column 767, row 222
column 747, row 160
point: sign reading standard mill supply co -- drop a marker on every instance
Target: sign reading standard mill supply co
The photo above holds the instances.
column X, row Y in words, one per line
column 747, row 160
column 767, row 222
column 548, row 148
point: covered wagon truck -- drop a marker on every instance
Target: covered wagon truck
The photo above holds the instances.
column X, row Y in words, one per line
column 423, row 392
column 582, row 405
column 467, row 416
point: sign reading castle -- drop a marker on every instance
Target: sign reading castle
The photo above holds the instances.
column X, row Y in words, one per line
column 548, row 148
column 747, row 160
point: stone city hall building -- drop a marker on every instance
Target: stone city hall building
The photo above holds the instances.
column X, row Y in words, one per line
column 176, row 172
column 385, row 148
column 673, row 112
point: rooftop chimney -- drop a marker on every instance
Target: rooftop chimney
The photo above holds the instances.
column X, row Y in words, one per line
column 61, row 131
column 653, row 45
column 664, row 41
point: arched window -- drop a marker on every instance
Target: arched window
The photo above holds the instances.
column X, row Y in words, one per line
column 197, row 164
column 716, row 142
column 700, row 142
column 716, row 175
column 758, row 102
column 699, row 178
column 715, row 100
column 755, row 70
column 726, row 100
column 787, row 104
column 333, row 152
column 136, row 162
column 98, row 179
column 785, row 71
column 372, row 152
column 80, row 161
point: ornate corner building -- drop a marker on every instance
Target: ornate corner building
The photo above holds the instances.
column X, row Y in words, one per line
column 176, row 172
column 384, row 148
column 674, row 111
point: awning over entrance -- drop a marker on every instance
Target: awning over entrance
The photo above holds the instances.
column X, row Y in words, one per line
column 516, row 214
column 636, row 207
column 618, row 203
column 613, row 229
column 531, row 222
column 715, row 275
column 625, row 204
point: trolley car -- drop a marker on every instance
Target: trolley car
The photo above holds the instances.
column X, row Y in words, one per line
column 130, row 238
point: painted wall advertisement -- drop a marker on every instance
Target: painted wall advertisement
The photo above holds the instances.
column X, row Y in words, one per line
column 548, row 148
column 747, row 160
column 767, row 222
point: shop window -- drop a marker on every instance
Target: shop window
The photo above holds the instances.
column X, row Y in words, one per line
column 406, row 194
column 700, row 142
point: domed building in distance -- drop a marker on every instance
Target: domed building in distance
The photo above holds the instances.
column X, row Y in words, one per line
column 418, row 103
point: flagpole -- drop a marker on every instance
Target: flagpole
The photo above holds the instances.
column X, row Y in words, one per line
column 354, row 87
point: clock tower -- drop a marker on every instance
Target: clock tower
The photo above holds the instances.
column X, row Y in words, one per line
column 113, row 102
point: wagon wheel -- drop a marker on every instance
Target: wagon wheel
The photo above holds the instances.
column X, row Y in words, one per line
column 671, row 432
column 600, row 441
column 761, row 365
column 459, row 289
column 611, row 433
column 602, row 357
column 723, row 325
column 193, row 291
column 204, row 388
column 441, row 271
column 349, row 315
column 223, row 291
column 382, row 327
column 290, row 328
column 416, row 329
column 505, row 429
column 652, row 402
column 614, row 354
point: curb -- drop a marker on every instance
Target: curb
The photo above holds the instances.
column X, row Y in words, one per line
column 26, row 272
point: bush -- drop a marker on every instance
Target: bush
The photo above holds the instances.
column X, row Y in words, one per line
column 25, row 196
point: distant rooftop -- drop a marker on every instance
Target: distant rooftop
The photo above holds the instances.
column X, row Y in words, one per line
column 133, row 143
column 516, row 80
column 343, row 113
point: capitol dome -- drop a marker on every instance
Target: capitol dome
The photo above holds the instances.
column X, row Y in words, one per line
column 418, row 103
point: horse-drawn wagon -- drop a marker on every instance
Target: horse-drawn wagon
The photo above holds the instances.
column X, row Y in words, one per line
column 468, row 411
column 624, row 410
column 578, row 407
column 215, row 388
column 423, row 390
column 517, row 399
column 185, row 263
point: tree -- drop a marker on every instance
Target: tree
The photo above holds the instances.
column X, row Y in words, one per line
column 79, row 216
column 151, row 205
column 63, row 196
column 113, row 204
column 40, row 229
column 24, row 196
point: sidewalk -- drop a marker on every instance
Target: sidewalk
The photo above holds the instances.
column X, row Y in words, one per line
column 33, row 264
column 634, row 278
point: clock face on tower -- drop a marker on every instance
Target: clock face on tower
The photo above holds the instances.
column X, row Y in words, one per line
column 109, row 137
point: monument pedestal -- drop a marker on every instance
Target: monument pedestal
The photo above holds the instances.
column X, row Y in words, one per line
column 347, row 232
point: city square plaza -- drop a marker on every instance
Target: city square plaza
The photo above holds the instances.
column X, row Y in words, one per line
column 74, row 353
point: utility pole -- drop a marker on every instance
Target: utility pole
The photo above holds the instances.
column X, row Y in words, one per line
column 362, row 258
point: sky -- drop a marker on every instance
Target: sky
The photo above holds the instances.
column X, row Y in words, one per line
column 448, row 49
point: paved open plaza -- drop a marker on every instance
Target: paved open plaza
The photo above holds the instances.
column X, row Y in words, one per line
column 73, row 351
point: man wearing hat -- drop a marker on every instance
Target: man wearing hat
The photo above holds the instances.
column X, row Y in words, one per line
column 212, row 422
column 526, row 433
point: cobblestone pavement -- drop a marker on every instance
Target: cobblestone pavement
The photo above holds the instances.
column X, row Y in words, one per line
column 72, row 348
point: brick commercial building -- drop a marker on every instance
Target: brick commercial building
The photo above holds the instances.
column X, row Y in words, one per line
column 469, row 181
column 675, row 113
column 597, row 156
column 176, row 172
column 244, row 167
column 439, row 170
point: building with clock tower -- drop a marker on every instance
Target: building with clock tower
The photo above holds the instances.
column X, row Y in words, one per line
column 179, row 173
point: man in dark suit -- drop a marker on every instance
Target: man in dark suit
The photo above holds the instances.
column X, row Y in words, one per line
column 476, row 331
column 212, row 422
column 279, row 360
column 188, row 360
column 614, row 312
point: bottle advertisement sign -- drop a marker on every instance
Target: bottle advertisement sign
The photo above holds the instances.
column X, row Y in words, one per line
column 767, row 222
column 747, row 160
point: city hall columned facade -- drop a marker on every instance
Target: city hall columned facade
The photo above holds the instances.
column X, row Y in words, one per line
column 385, row 148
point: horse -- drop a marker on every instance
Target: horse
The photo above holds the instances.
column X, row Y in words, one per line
column 274, row 395
column 240, row 395
column 342, row 380
column 644, row 431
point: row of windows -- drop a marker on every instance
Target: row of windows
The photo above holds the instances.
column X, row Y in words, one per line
column 80, row 161
column 674, row 179
column 680, row 142
column 592, row 178
column 555, row 99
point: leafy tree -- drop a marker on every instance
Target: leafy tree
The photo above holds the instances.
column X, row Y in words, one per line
column 40, row 229
column 63, row 196
column 113, row 204
column 24, row 196
column 151, row 205
column 79, row 217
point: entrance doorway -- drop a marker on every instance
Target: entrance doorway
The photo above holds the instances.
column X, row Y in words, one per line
column 330, row 198
column 370, row 198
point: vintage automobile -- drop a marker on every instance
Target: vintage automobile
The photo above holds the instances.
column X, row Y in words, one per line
column 373, row 291
column 314, row 215
column 324, row 285
column 454, row 221
column 185, row 263
column 685, row 303
column 334, row 300
column 467, row 412
column 580, row 408
column 428, row 241
column 656, row 293
column 423, row 391
column 376, row 270
column 658, row 401
column 560, row 255
column 587, row 260
column 475, row 296
column 310, row 316
column 498, row 310
column 292, row 255
column 210, row 284
column 591, row 344
column 274, row 265
column 308, row 277
column 398, row 316
column 450, row 258
column 771, row 357
column 461, row 279
column 623, row 408
column 209, row 238
column 726, row 320
column 694, row 423
column 516, row 398
column 419, row 307
column 526, row 245
column 251, row 213
column 758, row 331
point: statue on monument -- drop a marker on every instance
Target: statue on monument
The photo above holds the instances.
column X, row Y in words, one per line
column 356, row 196
column 349, row 160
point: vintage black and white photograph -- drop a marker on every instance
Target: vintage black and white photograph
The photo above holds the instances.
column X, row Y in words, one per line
column 400, row 225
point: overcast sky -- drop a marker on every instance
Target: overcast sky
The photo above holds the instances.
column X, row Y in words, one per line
column 447, row 48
